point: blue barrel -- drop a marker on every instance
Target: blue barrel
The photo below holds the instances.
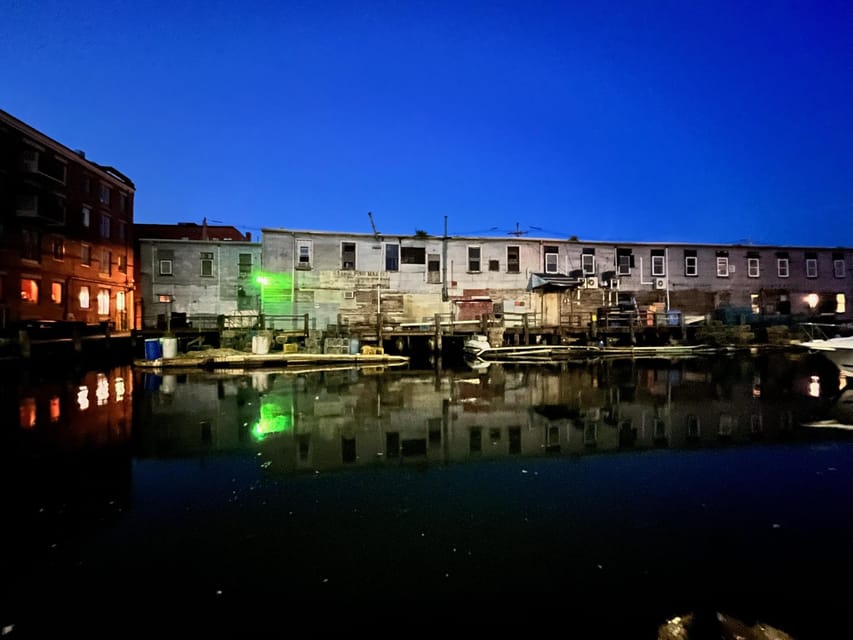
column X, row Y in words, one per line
column 153, row 349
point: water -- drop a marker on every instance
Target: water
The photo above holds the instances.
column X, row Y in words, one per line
column 610, row 495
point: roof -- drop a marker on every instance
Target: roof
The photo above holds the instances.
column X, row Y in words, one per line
column 189, row 231
column 551, row 281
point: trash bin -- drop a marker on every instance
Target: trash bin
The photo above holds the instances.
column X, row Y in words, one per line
column 153, row 349
column 353, row 346
column 261, row 344
column 170, row 347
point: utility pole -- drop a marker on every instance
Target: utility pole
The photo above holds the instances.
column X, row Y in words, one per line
column 444, row 263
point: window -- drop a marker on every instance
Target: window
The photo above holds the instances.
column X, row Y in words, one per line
column 56, row 292
column 722, row 264
column 104, row 195
column 105, row 225
column 120, row 301
column 121, row 230
column 103, row 302
column 244, row 265
column 58, row 249
column 392, row 257
column 494, row 265
column 658, row 263
column 122, row 264
column 106, row 262
column 304, row 251
column 86, row 216
column 474, row 259
column 83, row 297
column 513, row 260
column 166, row 256
column 433, row 268
column 838, row 267
column 811, row 265
column 29, row 290
column 31, row 245
column 840, row 303
column 754, row 303
column 551, row 259
column 624, row 262
column 348, row 256
column 85, row 255
column 87, row 185
column 691, row 263
column 752, row 269
column 782, row 267
column 588, row 261
column 413, row 255
column 123, row 202
column 207, row 264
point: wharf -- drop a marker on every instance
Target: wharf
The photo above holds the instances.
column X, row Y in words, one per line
column 227, row 358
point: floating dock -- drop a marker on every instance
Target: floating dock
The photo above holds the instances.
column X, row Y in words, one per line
column 226, row 358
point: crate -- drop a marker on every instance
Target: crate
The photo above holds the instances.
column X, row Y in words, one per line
column 290, row 347
column 368, row 350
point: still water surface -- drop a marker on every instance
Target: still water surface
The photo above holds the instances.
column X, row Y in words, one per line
column 614, row 493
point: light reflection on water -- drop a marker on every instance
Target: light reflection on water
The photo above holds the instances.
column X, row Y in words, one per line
column 647, row 486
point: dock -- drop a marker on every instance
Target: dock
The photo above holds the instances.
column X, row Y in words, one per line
column 232, row 358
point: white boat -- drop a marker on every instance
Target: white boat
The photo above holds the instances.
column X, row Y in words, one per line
column 476, row 345
column 837, row 349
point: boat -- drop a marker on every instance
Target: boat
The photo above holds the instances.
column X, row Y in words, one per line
column 838, row 349
column 478, row 348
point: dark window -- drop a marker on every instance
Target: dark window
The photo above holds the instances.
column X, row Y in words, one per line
column 513, row 260
column 348, row 256
column 413, row 255
column 494, row 265
column 392, row 257
column 244, row 265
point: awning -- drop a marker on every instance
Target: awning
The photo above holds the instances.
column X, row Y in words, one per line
column 552, row 280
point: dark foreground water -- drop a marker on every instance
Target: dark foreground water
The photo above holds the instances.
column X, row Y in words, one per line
column 596, row 499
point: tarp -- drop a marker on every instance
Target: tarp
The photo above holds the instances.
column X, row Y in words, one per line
column 552, row 280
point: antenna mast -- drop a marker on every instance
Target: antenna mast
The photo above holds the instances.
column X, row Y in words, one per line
column 375, row 232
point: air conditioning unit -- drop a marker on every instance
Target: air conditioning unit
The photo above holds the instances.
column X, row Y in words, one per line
column 592, row 282
column 660, row 283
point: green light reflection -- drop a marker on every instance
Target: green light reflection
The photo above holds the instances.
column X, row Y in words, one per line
column 273, row 419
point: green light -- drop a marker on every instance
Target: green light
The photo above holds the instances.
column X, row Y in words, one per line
column 273, row 419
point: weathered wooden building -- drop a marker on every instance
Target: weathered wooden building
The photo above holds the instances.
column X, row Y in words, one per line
column 195, row 271
column 66, row 252
column 355, row 279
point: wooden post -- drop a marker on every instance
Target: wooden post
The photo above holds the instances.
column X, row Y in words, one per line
column 305, row 325
column 25, row 344
column 526, row 329
column 438, row 332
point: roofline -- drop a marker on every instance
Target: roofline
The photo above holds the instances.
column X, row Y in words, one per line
column 607, row 243
column 41, row 138
column 208, row 241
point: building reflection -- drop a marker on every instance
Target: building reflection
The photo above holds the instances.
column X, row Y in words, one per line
column 336, row 419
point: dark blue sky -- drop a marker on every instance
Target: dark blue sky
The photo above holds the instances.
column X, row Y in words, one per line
column 700, row 120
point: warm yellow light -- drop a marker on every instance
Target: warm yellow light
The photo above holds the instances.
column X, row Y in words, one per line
column 812, row 300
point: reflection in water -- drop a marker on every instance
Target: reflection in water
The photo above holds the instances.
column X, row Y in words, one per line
column 329, row 420
column 622, row 492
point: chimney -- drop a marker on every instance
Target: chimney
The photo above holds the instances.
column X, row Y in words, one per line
column 249, row 236
column 204, row 228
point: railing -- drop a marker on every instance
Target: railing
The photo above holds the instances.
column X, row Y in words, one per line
column 212, row 322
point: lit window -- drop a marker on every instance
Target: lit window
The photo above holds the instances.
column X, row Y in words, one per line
column 83, row 397
column 86, row 216
column 55, row 409
column 58, row 249
column 840, row 303
column 27, row 412
column 83, row 297
column 56, row 292
column 120, row 301
column 29, row 290
column 103, row 302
